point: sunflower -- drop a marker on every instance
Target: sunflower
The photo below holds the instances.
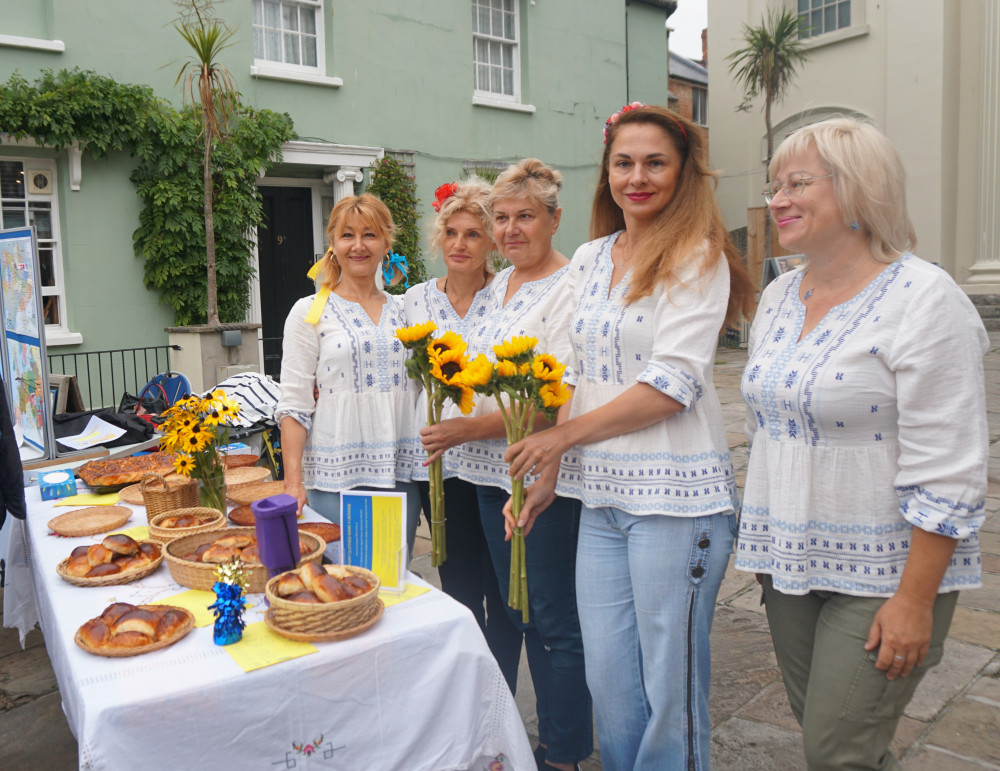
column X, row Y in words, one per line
column 546, row 367
column 184, row 464
column 524, row 368
column 449, row 341
column 449, row 367
column 416, row 336
column 478, row 372
column 515, row 347
column 554, row 394
column 466, row 404
column 506, row 368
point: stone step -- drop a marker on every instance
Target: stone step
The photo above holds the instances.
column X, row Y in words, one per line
column 992, row 324
column 985, row 299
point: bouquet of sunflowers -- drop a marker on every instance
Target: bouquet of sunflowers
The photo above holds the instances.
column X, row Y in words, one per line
column 533, row 385
column 441, row 366
column 195, row 428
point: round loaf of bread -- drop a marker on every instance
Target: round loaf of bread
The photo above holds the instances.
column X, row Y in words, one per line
column 170, row 622
column 120, row 543
column 79, row 551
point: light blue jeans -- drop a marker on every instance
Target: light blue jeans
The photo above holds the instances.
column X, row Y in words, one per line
column 327, row 504
column 646, row 589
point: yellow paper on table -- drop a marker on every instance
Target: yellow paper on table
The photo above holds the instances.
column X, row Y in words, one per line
column 195, row 600
column 89, row 499
column 138, row 533
column 412, row 590
column 260, row 647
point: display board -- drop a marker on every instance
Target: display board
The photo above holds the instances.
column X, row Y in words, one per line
column 23, row 353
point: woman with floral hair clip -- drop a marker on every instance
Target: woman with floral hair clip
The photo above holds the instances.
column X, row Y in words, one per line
column 463, row 232
column 649, row 459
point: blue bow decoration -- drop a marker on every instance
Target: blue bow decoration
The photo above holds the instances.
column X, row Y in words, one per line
column 391, row 264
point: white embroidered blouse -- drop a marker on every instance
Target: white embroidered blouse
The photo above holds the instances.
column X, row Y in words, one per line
column 870, row 425
column 425, row 302
column 361, row 427
column 539, row 309
column 679, row 466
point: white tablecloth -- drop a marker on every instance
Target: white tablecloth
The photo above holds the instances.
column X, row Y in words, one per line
column 419, row 690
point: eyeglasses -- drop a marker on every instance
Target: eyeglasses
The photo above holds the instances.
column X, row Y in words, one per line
column 794, row 188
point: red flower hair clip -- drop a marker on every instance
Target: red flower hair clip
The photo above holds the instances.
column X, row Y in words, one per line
column 443, row 193
column 614, row 118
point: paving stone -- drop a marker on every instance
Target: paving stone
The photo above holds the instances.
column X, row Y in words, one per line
column 968, row 729
column 36, row 736
column 961, row 664
column 991, row 562
column 772, row 708
column 743, row 662
column 749, row 601
column 931, row 759
column 742, row 745
column 736, row 582
column 907, row 732
column 989, row 543
column 986, row 690
column 986, row 598
column 976, row 626
column 27, row 675
column 10, row 641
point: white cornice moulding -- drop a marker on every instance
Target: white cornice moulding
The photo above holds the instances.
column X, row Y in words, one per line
column 33, row 43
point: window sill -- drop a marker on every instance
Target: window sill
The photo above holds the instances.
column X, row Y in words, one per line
column 500, row 104
column 55, row 337
column 834, row 37
column 33, row 43
column 276, row 73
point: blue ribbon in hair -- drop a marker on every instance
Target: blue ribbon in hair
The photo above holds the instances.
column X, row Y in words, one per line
column 391, row 264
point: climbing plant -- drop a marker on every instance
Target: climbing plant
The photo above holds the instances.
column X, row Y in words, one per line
column 102, row 116
column 398, row 191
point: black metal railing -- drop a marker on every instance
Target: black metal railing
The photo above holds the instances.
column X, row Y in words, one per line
column 103, row 376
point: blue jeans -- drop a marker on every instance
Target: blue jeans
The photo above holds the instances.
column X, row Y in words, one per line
column 552, row 635
column 646, row 588
column 327, row 504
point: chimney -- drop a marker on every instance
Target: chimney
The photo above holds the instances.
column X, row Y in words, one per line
column 704, row 47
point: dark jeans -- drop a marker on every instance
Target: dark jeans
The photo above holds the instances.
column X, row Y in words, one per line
column 468, row 576
column 552, row 635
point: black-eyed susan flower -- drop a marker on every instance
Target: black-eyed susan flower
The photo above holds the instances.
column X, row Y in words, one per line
column 195, row 441
column 184, row 464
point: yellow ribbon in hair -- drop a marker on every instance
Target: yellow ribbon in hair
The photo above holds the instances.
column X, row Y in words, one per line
column 316, row 309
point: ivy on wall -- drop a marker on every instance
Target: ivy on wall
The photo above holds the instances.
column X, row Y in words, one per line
column 171, row 232
column 398, row 192
column 102, row 116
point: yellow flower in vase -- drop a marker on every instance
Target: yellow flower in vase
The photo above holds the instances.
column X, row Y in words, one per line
column 195, row 441
column 213, row 418
column 184, row 464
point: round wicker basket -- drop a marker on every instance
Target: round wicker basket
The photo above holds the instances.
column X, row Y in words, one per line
column 255, row 491
column 212, row 519
column 118, row 578
column 89, row 521
column 324, row 618
column 201, row 575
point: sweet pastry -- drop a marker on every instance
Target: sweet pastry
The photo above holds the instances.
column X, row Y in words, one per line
column 125, row 629
column 308, row 597
column 251, row 554
column 120, row 543
column 329, row 589
column 100, row 571
column 79, row 551
column 217, row 553
column 309, row 573
column 236, row 541
column 98, row 554
column 289, row 584
column 124, row 471
column 79, row 565
column 328, row 531
column 116, row 554
column 334, row 584
column 225, row 548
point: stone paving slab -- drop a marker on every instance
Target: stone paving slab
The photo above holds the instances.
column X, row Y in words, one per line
column 968, row 729
column 961, row 664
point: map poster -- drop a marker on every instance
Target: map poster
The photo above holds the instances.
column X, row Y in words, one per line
column 24, row 370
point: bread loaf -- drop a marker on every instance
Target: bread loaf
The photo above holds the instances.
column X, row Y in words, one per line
column 99, row 571
column 120, row 543
column 123, row 627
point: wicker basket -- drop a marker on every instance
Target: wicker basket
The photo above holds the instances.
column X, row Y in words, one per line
column 246, row 475
column 256, row 491
column 169, row 495
column 325, row 617
column 117, row 654
column 201, row 575
column 214, row 521
column 112, row 580
column 89, row 521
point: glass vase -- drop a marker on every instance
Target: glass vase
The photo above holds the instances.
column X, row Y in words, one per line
column 212, row 492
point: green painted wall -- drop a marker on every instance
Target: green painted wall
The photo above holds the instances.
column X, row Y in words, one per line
column 407, row 77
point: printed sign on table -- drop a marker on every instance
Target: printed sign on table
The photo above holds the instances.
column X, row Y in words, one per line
column 373, row 535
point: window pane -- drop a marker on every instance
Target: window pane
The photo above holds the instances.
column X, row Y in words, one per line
column 817, row 22
column 496, row 23
column 50, row 308
column 475, row 20
column 496, row 84
column 803, row 5
column 496, row 54
column 290, row 17
column 258, row 43
column 11, row 179
column 508, row 27
column 291, row 48
column 258, row 12
column 817, row 3
column 844, row 15
column 12, row 217
column 47, row 274
column 41, row 217
column 830, row 18
column 508, row 82
column 308, row 20
column 272, row 45
column 272, row 15
column 484, row 21
column 508, row 5
column 309, row 51
column 482, row 51
column 482, row 78
column 508, row 56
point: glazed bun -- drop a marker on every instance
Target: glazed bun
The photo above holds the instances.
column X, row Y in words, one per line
column 100, row 571
column 235, row 541
column 138, row 620
column 329, row 589
column 308, row 597
column 99, row 555
column 309, row 573
column 218, row 554
column 289, row 584
column 78, row 566
column 120, row 543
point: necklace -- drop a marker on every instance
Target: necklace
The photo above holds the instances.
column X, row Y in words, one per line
column 809, row 294
column 486, row 280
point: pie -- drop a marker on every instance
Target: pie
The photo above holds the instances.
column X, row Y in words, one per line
column 125, row 471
